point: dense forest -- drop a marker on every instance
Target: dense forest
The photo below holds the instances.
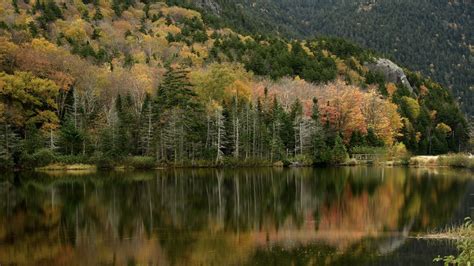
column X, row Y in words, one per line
column 106, row 82
column 434, row 37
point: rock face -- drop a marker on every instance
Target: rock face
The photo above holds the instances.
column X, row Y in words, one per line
column 211, row 5
column 391, row 71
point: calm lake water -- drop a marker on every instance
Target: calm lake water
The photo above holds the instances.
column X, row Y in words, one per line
column 334, row 216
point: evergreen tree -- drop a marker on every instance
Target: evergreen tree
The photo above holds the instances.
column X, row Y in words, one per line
column 98, row 14
column 33, row 140
column 339, row 152
column 50, row 12
column 320, row 150
column 107, row 143
column 70, row 138
column 296, row 116
column 357, row 140
column 179, row 113
column 9, row 144
column 372, row 139
column 127, row 130
column 277, row 147
column 146, row 127
column 15, row 6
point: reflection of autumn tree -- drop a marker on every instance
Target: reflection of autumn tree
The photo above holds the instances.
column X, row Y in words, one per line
column 180, row 216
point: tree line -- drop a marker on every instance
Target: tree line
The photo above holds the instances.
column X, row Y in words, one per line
column 93, row 84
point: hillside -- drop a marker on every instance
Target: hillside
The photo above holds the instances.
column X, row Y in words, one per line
column 92, row 81
column 434, row 37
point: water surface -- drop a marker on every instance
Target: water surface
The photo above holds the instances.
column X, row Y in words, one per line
column 334, row 216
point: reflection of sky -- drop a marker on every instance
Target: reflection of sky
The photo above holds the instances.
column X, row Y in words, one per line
column 220, row 216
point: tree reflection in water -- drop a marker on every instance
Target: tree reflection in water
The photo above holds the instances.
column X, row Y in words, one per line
column 223, row 217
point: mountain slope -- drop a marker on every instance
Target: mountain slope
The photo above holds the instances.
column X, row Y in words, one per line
column 434, row 37
column 110, row 80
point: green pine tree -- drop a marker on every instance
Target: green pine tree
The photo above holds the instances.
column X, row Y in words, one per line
column 339, row 152
column 319, row 147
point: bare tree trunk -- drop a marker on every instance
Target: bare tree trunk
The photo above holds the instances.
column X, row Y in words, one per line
column 301, row 138
column 75, row 108
column 247, row 130
column 220, row 133
column 254, row 140
column 296, row 139
column 237, row 138
column 208, row 131
column 148, row 139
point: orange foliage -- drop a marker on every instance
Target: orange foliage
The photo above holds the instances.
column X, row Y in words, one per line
column 341, row 106
column 382, row 116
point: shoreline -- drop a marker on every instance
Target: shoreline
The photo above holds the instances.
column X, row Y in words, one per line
column 450, row 161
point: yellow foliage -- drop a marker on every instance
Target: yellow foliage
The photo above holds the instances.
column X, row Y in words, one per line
column 143, row 75
column 399, row 151
column 163, row 30
column 222, row 82
column 341, row 67
column 201, row 50
column 133, row 14
column 411, row 106
column 443, row 128
column 382, row 116
column 76, row 30
column 306, row 49
column 354, row 77
column 24, row 92
column 418, row 136
column 245, row 38
column 213, row 106
column 240, row 89
column 43, row 45
column 178, row 13
column 7, row 50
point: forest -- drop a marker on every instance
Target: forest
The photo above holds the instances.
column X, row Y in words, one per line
column 148, row 82
column 434, row 37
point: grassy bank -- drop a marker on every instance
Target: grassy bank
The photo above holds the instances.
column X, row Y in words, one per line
column 464, row 238
column 143, row 163
column 450, row 160
column 398, row 156
column 67, row 167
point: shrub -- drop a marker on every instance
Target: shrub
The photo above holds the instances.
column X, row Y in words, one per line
column 456, row 160
column 42, row 157
column 74, row 159
column 141, row 162
column 368, row 150
column 103, row 161
column 250, row 162
column 302, row 160
column 465, row 245
column 279, row 164
column 399, row 152
column 339, row 152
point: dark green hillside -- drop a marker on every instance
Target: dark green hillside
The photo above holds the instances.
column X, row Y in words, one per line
column 434, row 37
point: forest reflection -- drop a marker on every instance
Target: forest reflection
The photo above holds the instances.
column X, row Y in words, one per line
column 222, row 217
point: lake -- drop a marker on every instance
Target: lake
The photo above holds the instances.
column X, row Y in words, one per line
column 332, row 216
